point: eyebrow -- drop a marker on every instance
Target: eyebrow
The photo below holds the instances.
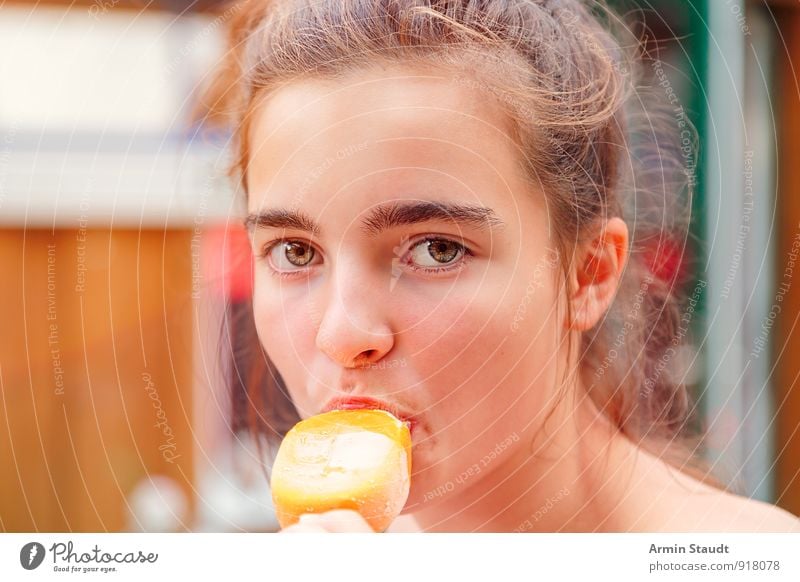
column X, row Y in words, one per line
column 384, row 217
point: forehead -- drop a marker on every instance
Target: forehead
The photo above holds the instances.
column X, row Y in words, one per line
column 378, row 125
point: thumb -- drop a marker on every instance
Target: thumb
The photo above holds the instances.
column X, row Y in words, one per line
column 337, row 521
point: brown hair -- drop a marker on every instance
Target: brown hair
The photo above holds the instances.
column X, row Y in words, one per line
column 596, row 147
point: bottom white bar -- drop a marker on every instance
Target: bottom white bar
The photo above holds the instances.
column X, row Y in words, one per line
column 400, row 557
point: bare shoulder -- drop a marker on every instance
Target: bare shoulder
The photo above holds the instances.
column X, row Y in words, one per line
column 670, row 500
column 709, row 509
column 753, row 515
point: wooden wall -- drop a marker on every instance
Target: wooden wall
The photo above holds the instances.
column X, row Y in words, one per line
column 95, row 373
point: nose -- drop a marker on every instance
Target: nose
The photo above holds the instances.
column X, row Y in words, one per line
column 354, row 331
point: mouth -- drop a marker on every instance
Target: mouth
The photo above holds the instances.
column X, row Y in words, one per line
column 365, row 402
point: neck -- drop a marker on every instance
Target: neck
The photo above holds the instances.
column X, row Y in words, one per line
column 576, row 479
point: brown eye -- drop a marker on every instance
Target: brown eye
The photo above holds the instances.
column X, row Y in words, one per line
column 436, row 252
column 298, row 254
column 289, row 255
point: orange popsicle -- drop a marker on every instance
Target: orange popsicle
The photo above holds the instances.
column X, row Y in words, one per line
column 344, row 459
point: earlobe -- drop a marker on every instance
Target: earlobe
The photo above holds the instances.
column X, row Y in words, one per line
column 597, row 273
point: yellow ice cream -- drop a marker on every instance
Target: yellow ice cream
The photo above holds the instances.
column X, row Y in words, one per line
column 344, row 459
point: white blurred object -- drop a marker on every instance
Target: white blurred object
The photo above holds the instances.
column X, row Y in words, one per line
column 157, row 504
column 234, row 494
column 94, row 119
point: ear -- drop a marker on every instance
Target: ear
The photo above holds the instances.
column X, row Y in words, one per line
column 596, row 274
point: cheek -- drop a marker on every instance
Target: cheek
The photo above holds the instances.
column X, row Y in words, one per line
column 491, row 371
column 481, row 334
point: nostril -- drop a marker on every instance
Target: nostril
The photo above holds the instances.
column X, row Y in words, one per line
column 365, row 357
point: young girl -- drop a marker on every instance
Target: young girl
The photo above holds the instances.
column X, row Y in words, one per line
column 449, row 203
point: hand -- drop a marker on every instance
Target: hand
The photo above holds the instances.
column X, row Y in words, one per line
column 335, row 521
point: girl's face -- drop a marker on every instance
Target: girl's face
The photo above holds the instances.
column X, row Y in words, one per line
column 403, row 262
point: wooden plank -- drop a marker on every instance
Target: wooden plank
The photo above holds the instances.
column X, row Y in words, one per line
column 96, row 371
column 29, row 496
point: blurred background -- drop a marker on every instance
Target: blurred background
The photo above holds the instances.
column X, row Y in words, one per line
column 121, row 250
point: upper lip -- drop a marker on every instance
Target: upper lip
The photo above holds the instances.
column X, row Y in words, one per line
column 366, row 402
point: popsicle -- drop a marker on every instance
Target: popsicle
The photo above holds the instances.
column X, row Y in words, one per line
column 344, row 459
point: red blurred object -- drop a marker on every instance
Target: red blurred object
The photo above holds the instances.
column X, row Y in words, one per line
column 228, row 261
column 667, row 260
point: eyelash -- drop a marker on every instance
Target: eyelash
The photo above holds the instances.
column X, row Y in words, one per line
column 267, row 248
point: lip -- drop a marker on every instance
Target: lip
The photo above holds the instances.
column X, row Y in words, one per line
column 367, row 403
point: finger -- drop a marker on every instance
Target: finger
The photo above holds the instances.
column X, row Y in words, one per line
column 338, row 520
column 303, row 528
